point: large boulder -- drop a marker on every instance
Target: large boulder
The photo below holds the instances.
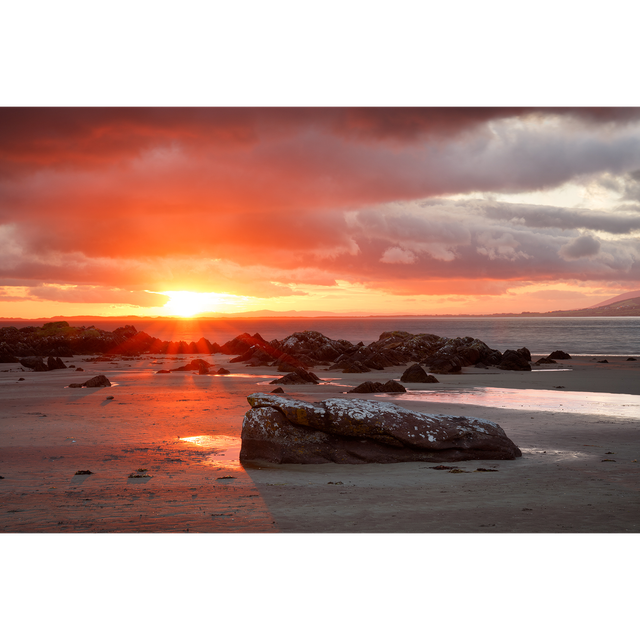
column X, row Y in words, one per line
column 355, row 431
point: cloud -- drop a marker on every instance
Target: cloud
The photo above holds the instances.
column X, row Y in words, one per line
column 89, row 294
column 396, row 255
column 584, row 246
column 262, row 202
column 544, row 217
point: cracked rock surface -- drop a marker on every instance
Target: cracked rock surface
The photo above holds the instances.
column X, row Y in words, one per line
column 288, row 431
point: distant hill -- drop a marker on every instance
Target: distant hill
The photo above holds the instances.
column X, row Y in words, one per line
column 624, row 296
column 626, row 307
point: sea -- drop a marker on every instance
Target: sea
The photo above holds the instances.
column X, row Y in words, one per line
column 600, row 336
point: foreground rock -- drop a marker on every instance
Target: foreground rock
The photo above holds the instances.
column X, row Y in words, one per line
column 355, row 431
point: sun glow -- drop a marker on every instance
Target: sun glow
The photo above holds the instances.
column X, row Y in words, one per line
column 189, row 303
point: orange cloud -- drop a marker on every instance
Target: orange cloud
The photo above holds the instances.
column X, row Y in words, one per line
column 263, row 202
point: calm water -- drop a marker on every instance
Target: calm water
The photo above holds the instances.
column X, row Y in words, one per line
column 577, row 336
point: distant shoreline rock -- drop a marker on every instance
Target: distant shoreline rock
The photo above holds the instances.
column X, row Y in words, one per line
column 300, row 351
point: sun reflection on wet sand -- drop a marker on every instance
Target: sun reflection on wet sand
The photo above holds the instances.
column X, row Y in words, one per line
column 617, row 405
column 225, row 450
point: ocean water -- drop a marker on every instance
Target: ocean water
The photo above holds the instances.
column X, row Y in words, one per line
column 577, row 336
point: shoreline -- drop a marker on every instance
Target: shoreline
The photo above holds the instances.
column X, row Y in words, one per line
column 184, row 431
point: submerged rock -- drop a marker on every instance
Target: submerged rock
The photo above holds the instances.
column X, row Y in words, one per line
column 355, row 431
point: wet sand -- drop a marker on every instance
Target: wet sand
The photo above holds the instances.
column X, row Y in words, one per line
column 578, row 473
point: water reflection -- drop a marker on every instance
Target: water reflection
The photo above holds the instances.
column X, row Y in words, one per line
column 224, row 451
column 323, row 381
column 617, row 405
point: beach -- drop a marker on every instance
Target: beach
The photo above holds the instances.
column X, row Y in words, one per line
column 179, row 433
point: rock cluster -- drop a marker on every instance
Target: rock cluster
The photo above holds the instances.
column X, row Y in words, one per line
column 306, row 349
column 60, row 340
column 355, row 431
column 38, row 364
column 301, row 350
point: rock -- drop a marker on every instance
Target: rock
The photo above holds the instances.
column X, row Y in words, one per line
column 278, row 390
column 355, row 367
column 603, row 362
column 415, row 373
column 222, row 371
column 525, row 353
column 242, row 343
column 391, row 386
column 444, row 366
column 299, row 376
column 35, row 363
column 55, row 363
column 631, row 359
column 546, row 361
column 76, row 385
column 313, row 344
column 79, row 369
column 514, row 361
column 202, row 366
column 559, row 355
column 97, row 381
column 355, row 431
column 163, row 371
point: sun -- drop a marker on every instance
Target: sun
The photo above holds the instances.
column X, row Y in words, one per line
column 187, row 303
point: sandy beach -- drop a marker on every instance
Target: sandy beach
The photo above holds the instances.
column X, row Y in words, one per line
column 579, row 472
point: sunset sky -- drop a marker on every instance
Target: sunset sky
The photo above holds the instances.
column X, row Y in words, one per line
column 108, row 211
